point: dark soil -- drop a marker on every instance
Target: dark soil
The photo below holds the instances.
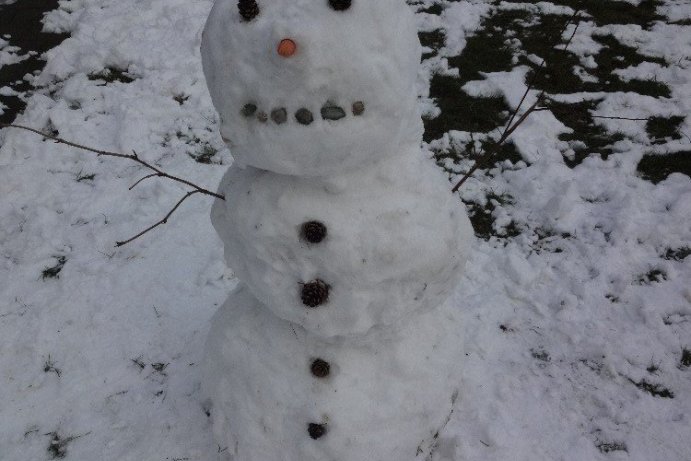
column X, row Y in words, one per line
column 22, row 22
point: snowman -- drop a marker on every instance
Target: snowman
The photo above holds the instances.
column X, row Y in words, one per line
column 339, row 343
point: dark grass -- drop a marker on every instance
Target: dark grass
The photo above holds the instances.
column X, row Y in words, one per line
column 609, row 447
column 112, row 74
column 22, row 22
column 53, row 272
column 434, row 40
column 685, row 361
column 614, row 12
column 656, row 168
column 662, row 129
column 656, row 390
column 587, row 138
column 677, row 254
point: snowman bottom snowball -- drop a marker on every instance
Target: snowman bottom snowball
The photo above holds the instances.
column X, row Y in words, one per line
column 280, row 393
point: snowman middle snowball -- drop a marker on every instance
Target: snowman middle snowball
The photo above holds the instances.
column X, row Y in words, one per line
column 339, row 229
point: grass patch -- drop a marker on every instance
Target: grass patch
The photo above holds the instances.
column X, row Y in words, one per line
column 661, row 129
column 53, row 272
column 85, row 177
column 655, row 390
column 608, row 447
column 685, row 360
column 615, row 11
column 57, row 448
column 483, row 222
column 434, row 40
column 112, row 74
column 460, row 111
column 49, row 366
column 541, row 355
column 656, row 168
column 653, row 276
column 587, row 137
column 205, row 154
column 678, row 254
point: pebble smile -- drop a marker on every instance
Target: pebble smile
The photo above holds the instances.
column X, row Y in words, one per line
column 303, row 116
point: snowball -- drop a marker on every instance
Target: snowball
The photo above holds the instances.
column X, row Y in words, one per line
column 366, row 55
column 385, row 397
column 397, row 241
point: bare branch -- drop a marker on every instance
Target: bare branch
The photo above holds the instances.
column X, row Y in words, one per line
column 533, row 79
column 511, row 125
column 161, row 222
column 621, row 118
column 134, row 157
column 152, row 175
column 495, row 147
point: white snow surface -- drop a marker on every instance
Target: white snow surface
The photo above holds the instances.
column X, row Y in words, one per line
column 103, row 360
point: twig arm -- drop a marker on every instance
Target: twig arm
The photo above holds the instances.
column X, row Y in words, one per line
column 161, row 222
column 134, row 157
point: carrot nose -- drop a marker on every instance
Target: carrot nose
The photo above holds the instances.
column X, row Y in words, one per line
column 287, row 48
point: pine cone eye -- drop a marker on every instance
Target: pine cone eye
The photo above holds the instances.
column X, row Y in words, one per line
column 340, row 5
column 248, row 9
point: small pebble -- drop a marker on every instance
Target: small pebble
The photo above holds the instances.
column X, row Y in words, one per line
column 279, row 116
column 358, row 108
column 248, row 110
column 304, row 116
column 332, row 112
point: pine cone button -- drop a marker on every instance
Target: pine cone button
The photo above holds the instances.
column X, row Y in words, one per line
column 320, row 368
column 313, row 232
column 248, row 9
column 340, row 5
column 316, row 430
column 315, row 293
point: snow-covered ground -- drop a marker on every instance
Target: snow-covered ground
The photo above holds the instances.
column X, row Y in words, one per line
column 577, row 297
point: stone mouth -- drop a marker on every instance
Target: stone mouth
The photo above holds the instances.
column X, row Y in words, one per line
column 303, row 116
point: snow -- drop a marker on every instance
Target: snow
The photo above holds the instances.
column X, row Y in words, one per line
column 554, row 342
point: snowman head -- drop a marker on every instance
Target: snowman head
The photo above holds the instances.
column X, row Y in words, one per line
column 313, row 87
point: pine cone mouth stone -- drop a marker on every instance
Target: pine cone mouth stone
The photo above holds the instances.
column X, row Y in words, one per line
column 304, row 116
column 279, row 115
column 329, row 111
column 249, row 110
column 314, row 293
column 332, row 112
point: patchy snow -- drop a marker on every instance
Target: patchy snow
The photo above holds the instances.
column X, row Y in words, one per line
column 574, row 329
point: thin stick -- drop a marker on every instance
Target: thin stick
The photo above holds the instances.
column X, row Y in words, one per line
column 133, row 157
column 511, row 126
column 152, row 175
column 161, row 222
column 533, row 79
column 621, row 118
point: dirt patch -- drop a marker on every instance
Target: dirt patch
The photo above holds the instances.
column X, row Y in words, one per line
column 22, row 22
